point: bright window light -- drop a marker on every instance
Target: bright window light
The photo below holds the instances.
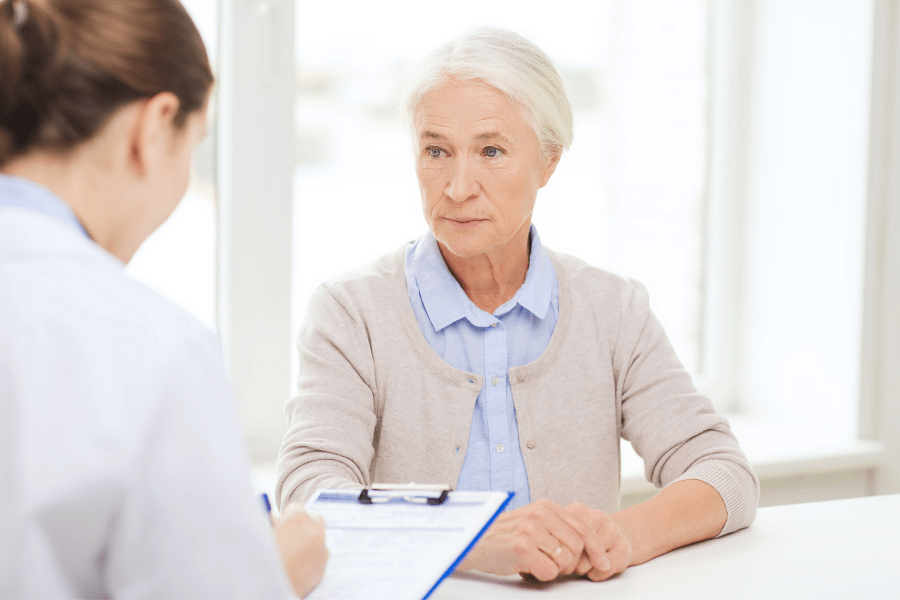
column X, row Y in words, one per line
column 628, row 197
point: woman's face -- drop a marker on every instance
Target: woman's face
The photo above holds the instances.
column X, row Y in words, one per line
column 479, row 165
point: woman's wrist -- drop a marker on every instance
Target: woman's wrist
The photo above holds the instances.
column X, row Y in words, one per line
column 631, row 536
column 683, row 513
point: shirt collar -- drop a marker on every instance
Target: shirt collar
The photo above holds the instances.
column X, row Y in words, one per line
column 534, row 295
column 18, row 192
column 445, row 301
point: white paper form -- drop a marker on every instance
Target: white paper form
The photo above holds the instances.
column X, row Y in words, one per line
column 397, row 550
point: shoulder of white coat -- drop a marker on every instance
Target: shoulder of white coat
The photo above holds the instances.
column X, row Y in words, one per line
column 161, row 319
column 77, row 287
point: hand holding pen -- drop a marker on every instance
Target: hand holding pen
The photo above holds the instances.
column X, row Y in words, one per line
column 268, row 505
column 301, row 541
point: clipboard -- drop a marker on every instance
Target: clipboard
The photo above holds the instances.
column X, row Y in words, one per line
column 398, row 542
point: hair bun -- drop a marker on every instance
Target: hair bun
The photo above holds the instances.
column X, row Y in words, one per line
column 11, row 59
column 28, row 44
column 66, row 66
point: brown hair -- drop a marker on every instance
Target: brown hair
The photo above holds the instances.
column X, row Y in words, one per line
column 67, row 65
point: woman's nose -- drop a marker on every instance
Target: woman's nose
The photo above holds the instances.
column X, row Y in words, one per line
column 463, row 183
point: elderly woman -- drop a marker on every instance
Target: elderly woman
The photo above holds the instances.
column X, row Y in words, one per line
column 477, row 357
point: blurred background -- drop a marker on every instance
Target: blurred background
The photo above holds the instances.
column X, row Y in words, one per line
column 732, row 155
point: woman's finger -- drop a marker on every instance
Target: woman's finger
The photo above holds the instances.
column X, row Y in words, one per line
column 563, row 558
column 565, row 545
column 540, row 566
column 595, row 547
column 584, row 565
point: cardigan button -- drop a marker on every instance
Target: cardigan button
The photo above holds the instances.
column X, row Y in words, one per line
column 521, row 376
column 531, row 444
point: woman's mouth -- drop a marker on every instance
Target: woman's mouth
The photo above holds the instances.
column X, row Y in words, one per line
column 465, row 222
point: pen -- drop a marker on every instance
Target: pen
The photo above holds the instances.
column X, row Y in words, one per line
column 265, row 499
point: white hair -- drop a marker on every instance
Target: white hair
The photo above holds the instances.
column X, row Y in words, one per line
column 507, row 62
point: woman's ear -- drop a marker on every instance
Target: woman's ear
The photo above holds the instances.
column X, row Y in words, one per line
column 551, row 159
column 152, row 133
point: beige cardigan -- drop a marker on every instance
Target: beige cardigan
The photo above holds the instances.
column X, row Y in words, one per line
column 377, row 404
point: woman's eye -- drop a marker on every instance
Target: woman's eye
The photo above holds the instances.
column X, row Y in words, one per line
column 434, row 152
column 492, row 152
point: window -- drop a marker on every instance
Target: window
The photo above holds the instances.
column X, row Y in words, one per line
column 720, row 158
column 629, row 196
column 635, row 194
column 791, row 220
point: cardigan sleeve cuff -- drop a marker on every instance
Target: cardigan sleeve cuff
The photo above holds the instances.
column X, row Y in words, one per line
column 729, row 487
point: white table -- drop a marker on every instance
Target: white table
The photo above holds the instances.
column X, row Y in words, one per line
column 836, row 549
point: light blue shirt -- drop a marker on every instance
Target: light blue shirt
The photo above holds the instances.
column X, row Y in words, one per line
column 470, row 339
column 22, row 193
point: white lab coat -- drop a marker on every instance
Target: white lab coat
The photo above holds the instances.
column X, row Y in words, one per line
column 122, row 470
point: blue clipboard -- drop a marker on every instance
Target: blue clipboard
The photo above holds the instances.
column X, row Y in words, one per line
column 471, row 545
column 357, row 520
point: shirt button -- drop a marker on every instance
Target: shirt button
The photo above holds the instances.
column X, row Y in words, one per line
column 493, row 324
column 521, row 376
column 495, row 381
column 499, row 447
column 531, row 444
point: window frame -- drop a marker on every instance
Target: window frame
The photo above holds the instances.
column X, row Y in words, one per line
column 254, row 172
column 879, row 417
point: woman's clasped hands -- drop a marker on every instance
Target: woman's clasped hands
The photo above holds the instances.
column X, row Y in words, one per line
column 544, row 540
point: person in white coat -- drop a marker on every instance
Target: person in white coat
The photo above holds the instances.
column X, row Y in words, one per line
column 122, row 470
